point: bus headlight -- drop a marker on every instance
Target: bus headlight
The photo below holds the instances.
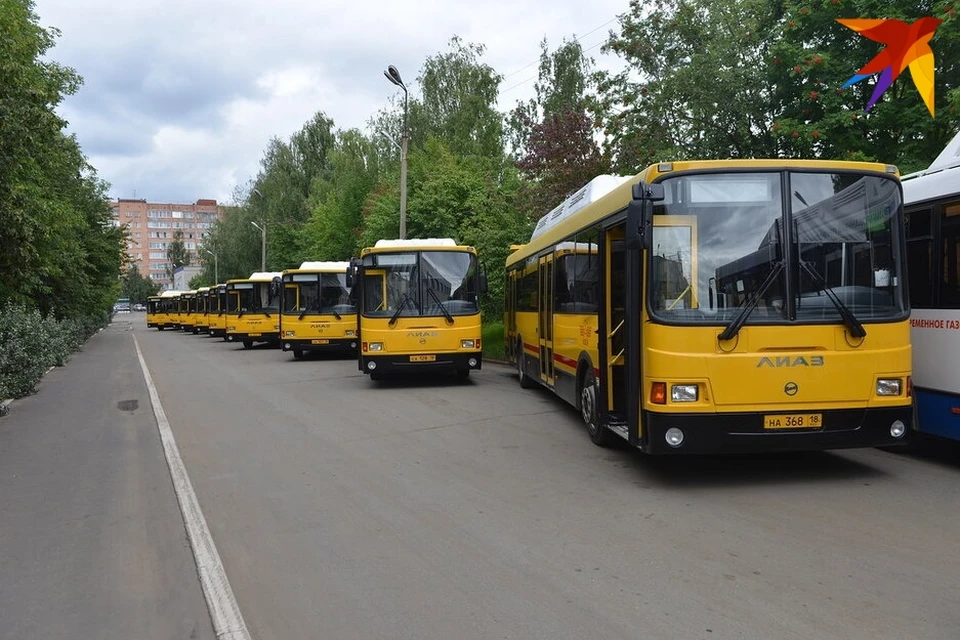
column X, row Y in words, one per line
column 889, row 386
column 231, row 328
column 467, row 344
column 350, row 333
column 375, row 346
column 289, row 334
column 684, row 393
column 897, row 429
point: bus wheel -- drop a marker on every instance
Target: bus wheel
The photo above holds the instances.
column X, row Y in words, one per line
column 525, row 381
column 599, row 434
column 376, row 375
column 247, row 344
column 159, row 328
column 463, row 374
column 297, row 354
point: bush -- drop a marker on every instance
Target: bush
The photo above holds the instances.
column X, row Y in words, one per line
column 31, row 343
column 492, row 337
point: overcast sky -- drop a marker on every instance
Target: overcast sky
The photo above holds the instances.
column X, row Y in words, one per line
column 180, row 97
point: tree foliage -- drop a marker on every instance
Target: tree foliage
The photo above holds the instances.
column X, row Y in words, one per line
column 136, row 287
column 757, row 78
column 59, row 250
column 177, row 254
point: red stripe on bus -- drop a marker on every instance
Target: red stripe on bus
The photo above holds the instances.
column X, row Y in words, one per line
column 564, row 360
column 531, row 347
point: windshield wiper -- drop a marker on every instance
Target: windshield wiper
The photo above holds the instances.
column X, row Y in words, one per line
column 302, row 313
column 396, row 314
column 853, row 325
column 241, row 313
column 737, row 323
column 335, row 314
column 446, row 314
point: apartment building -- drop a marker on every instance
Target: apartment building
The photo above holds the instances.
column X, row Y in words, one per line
column 150, row 228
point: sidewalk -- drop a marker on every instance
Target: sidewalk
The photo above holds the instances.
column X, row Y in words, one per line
column 92, row 542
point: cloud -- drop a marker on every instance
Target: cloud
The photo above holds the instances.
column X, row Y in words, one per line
column 180, row 98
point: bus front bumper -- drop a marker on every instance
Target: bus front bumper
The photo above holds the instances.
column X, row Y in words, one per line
column 422, row 362
column 269, row 336
column 319, row 344
column 745, row 432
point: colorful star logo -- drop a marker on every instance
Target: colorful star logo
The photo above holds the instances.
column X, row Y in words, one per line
column 908, row 45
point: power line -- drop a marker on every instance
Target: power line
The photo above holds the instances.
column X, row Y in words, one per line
column 523, row 82
column 576, row 38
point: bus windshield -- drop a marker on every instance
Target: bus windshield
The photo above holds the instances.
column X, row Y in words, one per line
column 317, row 293
column 719, row 240
column 421, row 283
column 252, row 297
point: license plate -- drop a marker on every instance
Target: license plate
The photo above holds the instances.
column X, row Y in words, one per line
column 319, row 342
column 793, row 421
column 422, row 358
column 254, row 335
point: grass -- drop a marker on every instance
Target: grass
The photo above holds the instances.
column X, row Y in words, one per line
column 492, row 344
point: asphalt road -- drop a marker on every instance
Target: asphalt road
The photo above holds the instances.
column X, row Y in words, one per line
column 430, row 508
column 92, row 544
column 434, row 509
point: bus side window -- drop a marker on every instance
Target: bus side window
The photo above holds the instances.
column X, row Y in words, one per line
column 950, row 279
column 920, row 258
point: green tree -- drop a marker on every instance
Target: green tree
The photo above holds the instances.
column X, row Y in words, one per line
column 812, row 56
column 177, row 254
column 58, row 249
column 136, row 287
column 553, row 132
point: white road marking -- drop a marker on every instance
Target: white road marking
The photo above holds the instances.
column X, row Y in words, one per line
column 224, row 611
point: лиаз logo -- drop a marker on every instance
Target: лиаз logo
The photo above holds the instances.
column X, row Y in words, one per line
column 908, row 45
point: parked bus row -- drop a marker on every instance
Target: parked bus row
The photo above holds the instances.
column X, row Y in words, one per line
column 415, row 302
column 696, row 307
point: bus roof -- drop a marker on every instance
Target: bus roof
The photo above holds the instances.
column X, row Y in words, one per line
column 259, row 276
column 937, row 180
column 618, row 197
column 415, row 242
column 323, row 266
column 170, row 293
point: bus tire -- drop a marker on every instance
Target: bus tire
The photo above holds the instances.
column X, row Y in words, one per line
column 463, row 373
column 376, row 376
column 599, row 434
column 160, row 328
column 297, row 354
column 248, row 344
column 525, row 381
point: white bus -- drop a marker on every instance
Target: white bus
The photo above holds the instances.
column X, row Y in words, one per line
column 931, row 200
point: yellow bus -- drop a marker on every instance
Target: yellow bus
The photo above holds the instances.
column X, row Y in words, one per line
column 216, row 311
column 253, row 308
column 721, row 306
column 154, row 312
column 419, row 306
column 167, row 306
column 317, row 312
column 188, row 316
column 201, row 304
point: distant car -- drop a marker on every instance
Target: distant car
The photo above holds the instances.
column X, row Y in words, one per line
column 121, row 308
column 139, row 307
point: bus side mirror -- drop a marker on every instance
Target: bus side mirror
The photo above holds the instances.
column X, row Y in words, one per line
column 351, row 273
column 640, row 214
column 482, row 283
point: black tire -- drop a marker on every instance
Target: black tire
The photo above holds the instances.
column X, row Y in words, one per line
column 463, row 374
column 159, row 328
column 376, row 376
column 297, row 353
column 248, row 344
column 525, row 381
column 588, row 392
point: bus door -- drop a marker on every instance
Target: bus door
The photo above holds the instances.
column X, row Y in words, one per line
column 616, row 328
column 545, row 331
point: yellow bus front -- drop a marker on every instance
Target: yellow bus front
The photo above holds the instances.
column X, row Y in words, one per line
column 775, row 314
column 318, row 312
column 216, row 315
column 154, row 313
column 253, row 309
column 201, row 321
column 419, row 307
column 187, row 311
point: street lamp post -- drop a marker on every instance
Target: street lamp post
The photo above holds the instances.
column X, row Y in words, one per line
column 216, row 266
column 394, row 76
column 263, row 243
column 263, row 235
